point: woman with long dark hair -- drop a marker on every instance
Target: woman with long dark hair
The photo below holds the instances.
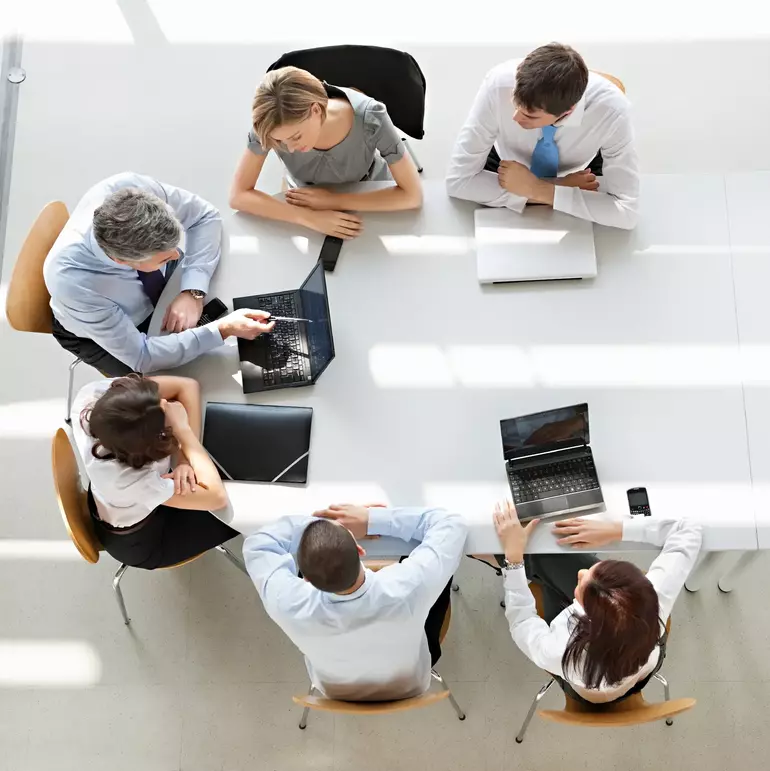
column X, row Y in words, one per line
column 603, row 635
column 152, row 484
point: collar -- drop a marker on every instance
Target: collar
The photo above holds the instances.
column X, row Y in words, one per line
column 363, row 589
column 575, row 118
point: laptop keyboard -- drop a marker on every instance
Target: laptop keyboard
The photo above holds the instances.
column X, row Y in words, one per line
column 283, row 362
column 559, row 478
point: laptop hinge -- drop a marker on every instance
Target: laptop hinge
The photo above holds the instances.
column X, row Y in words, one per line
column 548, row 452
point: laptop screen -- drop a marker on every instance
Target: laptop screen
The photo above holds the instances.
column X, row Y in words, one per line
column 315, row 306
column 545, row 431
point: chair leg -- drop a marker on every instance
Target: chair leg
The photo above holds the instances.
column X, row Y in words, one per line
column 68, row 417
column 230, row 556
column 119, row 593
column 414, row 157
column 666, row 692
column 437, row 677
column 542, row 692
column 306, row 712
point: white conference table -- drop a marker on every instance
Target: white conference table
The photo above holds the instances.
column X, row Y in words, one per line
column 428, row 362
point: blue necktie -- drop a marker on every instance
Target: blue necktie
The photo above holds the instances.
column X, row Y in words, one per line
column 545, row 158
column 153, row 284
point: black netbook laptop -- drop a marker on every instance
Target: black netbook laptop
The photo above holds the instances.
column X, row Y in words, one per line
column 295, row 353
column 549, row 462
column 258, row 442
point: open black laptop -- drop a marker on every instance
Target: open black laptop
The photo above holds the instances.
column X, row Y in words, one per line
column 549, row 462
column 294, row 353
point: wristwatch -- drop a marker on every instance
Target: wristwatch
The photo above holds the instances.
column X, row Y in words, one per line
column 513, row 565
column 196, row 293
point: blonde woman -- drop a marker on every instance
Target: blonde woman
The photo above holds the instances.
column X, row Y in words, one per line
column 324, row 135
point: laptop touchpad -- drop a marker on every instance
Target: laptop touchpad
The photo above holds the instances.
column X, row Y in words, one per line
column 559, row 503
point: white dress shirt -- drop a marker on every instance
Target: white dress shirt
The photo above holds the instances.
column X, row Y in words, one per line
column 369, row 645
column 545, row 646
column 123, row 495
column 94, row 297
column 600, row 121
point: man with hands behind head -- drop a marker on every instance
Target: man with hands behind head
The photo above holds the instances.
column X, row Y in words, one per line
column 366, row 636
column 108, row 267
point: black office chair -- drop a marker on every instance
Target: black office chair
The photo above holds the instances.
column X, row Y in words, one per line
column 389, row 76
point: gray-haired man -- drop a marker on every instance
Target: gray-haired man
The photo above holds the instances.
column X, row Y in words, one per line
column 108, row 267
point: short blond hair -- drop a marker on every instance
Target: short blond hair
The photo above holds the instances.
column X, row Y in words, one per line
column 285, row 96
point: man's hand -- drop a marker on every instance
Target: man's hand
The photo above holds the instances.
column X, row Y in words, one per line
column 587, row 533
column 183, row 313
column 184, row 479
column 245, row 323
column 333, row 223
column 512, row 535
column 354, row 518
column 585, row 180
column 311, row 197
column 519, row 180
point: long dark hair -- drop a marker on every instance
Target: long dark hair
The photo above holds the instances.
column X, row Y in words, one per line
column 129, row 424
column 620, row 627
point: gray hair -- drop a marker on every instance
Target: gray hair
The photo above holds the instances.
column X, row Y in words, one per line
column 132, row 225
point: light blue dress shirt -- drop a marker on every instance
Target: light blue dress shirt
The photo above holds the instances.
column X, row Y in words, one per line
column 94, row 297
column 369, row 645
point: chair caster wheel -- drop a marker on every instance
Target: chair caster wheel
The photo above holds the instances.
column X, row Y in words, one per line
column 519, row 741
column 669, row 721
column 302, row 727
column 502, row 603
column 462, row 718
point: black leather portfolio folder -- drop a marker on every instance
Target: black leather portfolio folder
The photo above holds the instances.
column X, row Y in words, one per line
column 258, row 442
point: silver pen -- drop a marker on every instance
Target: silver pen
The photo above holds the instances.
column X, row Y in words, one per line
column 287, row 318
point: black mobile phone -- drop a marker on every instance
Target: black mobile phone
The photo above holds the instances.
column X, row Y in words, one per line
column 212, row 310
column 638, row 501
column 330, row 251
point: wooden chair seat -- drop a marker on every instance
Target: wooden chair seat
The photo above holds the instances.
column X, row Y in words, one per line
column 615, row 81
column 632, row 711
column 27, row 305
column 370, row 707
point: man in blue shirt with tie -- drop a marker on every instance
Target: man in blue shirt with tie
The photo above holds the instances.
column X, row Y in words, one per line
column 109, row 265
column 545, row 130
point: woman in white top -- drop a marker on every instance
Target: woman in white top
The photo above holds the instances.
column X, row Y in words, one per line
column 603, row 635
column 152, row 485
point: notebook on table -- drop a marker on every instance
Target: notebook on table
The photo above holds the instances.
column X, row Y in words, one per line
column 258, row 442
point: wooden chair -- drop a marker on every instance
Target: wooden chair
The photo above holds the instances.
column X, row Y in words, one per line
column 73, row 506
column 321, row 703
column 631, row 711
column 612, row 79
column 28, row 303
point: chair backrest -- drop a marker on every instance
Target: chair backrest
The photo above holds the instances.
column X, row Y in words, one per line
column 387, row 75
column 72, row 498
column 632, row 711
column 27, row 305
column 370, row 707
column 612, row 79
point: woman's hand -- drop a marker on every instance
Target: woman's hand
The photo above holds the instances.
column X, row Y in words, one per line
column 317, row 198
column 587, row 533
column 184, row 479
column 512, row 535
column 333, row 223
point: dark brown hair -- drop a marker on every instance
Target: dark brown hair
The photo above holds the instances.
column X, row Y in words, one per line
column 620, row 627
column 128, row 423
column 551, row 78
column 328, row 556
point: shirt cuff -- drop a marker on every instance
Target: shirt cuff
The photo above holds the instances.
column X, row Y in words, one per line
column 380, row 520
column 562, row 198
column 210, row 336
column 515, row 580
column 634, row 529
column 515, row 202
column 195, row 278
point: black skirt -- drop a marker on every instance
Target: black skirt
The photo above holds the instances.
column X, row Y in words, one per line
column 165, row 537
